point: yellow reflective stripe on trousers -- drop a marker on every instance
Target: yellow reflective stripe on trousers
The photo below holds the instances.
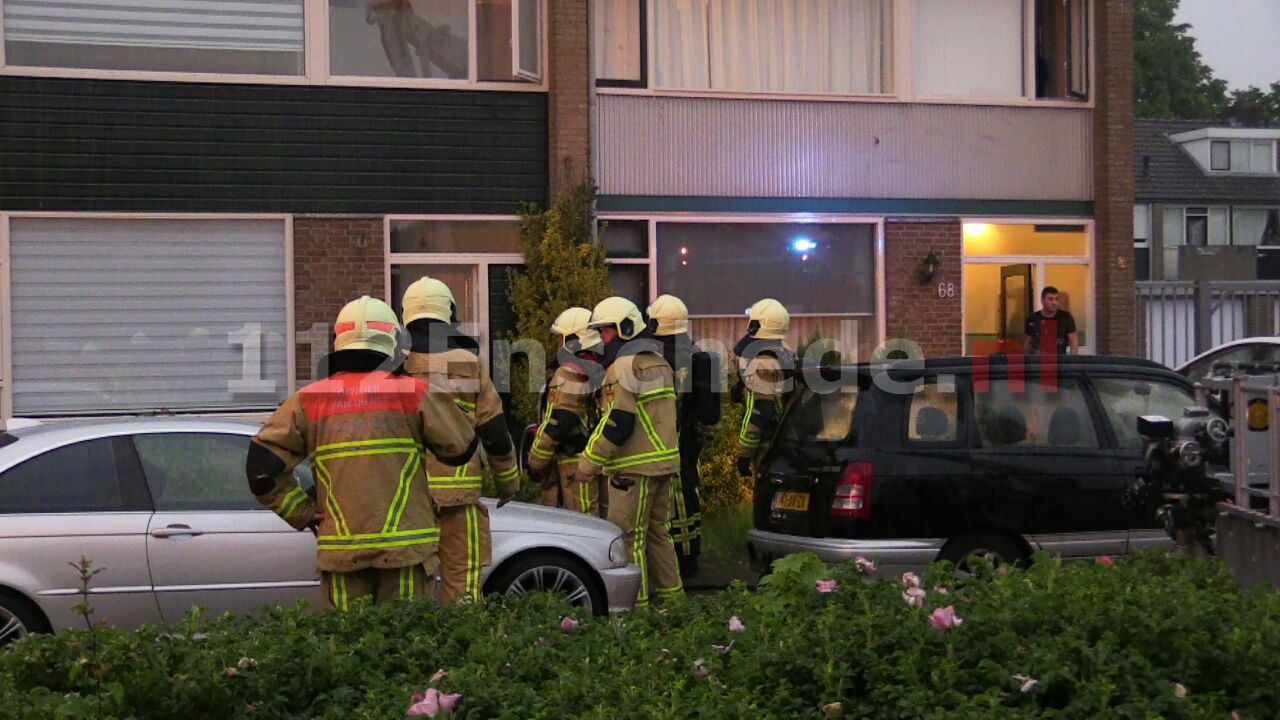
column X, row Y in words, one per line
column 291, row 501
column 406, row 582
column 584, row 491
column 641, row 459
column 374, row 541
column 677, row 503
column 473, row 552
column 401, row 499
column 638, row 539
column 338, row 590
column 330, row 502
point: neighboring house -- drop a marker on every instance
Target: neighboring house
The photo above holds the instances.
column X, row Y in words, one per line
column 1207, row 201
column 189, row 191
column 914, row 169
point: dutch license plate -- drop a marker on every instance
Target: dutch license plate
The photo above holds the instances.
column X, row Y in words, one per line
column 795, row 501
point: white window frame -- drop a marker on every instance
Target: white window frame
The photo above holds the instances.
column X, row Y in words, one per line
column 901, row 42
column 1037, row 262
column 6, row 340
column 315, row 63
column 655, row 219
column 481, row 260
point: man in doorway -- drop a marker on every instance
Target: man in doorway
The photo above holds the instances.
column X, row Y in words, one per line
column 1052, row 327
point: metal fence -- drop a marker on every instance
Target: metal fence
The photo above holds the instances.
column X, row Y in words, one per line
column 1178, row 319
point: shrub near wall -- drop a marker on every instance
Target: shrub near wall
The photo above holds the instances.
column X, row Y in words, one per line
column 1158, row 637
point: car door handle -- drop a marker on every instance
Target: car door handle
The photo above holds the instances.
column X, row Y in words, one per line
column 175, row 531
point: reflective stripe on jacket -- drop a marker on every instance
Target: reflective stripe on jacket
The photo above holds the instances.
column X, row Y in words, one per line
column 639, row 386
column 566, row 419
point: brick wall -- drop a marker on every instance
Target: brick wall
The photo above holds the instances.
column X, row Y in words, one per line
column 568, row 118
column 335, row 261
column 1113, row 176
column 914, row 310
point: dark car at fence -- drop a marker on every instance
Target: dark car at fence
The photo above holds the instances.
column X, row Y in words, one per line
column 920, row 461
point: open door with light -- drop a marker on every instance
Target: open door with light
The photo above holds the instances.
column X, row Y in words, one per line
column 1015, row 302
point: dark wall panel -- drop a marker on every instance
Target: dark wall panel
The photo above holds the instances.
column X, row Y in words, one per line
column 84, row 145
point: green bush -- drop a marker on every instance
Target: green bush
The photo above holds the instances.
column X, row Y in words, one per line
column 563, row 267
column 722, row 488
column 1161, row 636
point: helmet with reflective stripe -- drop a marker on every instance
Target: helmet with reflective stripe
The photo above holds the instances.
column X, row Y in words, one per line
column 366, row 324
column 769, row 320
column 429, row 298
column 669, row 315
column 620, row 313
column 574, row 328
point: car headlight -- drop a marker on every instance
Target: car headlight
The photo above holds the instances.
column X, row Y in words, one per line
column 618, row 551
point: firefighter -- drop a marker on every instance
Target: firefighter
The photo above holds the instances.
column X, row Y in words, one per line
column 364, row 427
column 635, row 444
column 698, row 407
column 450, row 362
column 568, row 415
column 764, row 371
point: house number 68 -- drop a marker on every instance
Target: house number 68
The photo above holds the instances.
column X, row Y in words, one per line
column 946, row 290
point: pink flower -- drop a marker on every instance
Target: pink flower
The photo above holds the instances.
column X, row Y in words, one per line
column 827, row 586
column 568, row 624
column 735, row 625
column 430, row 703
column 914, row 597
column 910, row 580
column 940, row 590
column 944, row 618
column 863, row 565
column 1106, row 561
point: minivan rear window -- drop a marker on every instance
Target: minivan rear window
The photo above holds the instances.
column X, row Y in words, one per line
column 821, row 416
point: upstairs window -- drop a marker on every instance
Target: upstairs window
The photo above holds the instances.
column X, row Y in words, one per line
column 802, row 46
column 1219, row 155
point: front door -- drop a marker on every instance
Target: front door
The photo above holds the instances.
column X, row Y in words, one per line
column 1015, row 301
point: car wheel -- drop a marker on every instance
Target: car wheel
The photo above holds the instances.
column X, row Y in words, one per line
column 553, row 573
column 996, row 549
column 17, row 618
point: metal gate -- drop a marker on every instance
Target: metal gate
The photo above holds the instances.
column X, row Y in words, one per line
column 1177, row 319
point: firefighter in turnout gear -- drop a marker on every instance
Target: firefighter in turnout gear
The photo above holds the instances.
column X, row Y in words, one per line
column 765, row 364
column 568, row 414
column 635, row 444
column 698, row 406
column 450, row 362
column 364, row 427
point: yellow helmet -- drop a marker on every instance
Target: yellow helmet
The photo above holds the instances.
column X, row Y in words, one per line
column 366, row 324
column 576, row 323
column 670, row 314
column 619, row 312
column 772, row 318
column 427, row 297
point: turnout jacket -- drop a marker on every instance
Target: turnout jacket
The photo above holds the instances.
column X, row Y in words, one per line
column 637, row 433
column 455, row 373
column 763, row 384
column 567, row 417
column 364, row 433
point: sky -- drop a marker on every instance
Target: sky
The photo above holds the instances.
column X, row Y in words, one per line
column 1239, row 39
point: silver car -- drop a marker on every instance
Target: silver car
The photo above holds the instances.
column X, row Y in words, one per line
column 161, row 506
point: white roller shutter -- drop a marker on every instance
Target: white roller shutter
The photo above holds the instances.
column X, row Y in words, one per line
column 121, row 315
column 204, row 24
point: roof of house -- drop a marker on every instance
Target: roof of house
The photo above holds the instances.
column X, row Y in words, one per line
column 1164, row 172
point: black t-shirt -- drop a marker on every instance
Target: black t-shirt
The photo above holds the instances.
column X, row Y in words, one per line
column 1061, row 324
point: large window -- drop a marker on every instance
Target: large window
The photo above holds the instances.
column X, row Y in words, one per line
column 798, row 46
column 261, row 37
column 1256, row 226
column 137, row 315
column 451, row 40
column 1256, row 157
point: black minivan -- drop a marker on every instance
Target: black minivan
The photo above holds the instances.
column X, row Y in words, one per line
column 917, row 461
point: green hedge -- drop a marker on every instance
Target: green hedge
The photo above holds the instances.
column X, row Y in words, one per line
column 1157, row 637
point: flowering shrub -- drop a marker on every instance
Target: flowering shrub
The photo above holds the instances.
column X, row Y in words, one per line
column 1158, row 636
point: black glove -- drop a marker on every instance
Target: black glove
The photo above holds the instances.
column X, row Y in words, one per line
column 744, row 466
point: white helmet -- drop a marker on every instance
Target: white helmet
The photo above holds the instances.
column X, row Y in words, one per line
column 670, row 315
column 574, row 328
column 620, row 313
column 366, row 324
column 772, row 318
column 427, row 297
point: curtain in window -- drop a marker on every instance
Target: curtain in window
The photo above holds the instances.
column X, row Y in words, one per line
column 1250, row 227
column 617, row 38
column 968, row 48
column 779, row 46
column 247, row 25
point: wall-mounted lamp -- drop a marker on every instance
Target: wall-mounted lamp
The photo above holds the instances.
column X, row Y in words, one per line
column 929, row 267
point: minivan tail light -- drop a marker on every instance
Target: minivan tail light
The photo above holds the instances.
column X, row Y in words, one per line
column 853, row 492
